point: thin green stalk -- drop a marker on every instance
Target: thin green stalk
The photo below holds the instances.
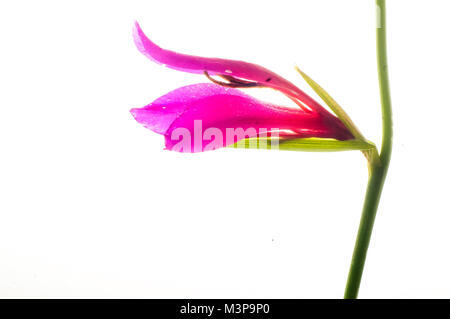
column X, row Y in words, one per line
column 378, row 172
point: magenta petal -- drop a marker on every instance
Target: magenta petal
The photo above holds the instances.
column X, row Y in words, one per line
column 216, row 66
column 198, row 117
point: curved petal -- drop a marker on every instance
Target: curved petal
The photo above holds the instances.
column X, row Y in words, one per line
column 216, row 66
column 211, row 116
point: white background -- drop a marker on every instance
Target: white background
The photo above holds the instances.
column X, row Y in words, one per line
column 92, row 206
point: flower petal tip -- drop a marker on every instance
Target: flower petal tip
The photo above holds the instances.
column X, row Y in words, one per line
column 154, row 118
column 138, row 37
column 135, row 113
column 145, row 45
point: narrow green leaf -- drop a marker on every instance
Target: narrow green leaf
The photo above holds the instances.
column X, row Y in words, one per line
column 372, row 153
column 305, row 144
column 334, row 106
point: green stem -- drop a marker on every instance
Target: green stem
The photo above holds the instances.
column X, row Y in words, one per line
column 378, row 172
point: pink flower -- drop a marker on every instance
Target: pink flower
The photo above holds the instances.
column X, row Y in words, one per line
column 203, row 117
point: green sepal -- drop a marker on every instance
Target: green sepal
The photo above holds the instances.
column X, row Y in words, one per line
column 304, row 144
column 372, row 153
column 334, row 106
